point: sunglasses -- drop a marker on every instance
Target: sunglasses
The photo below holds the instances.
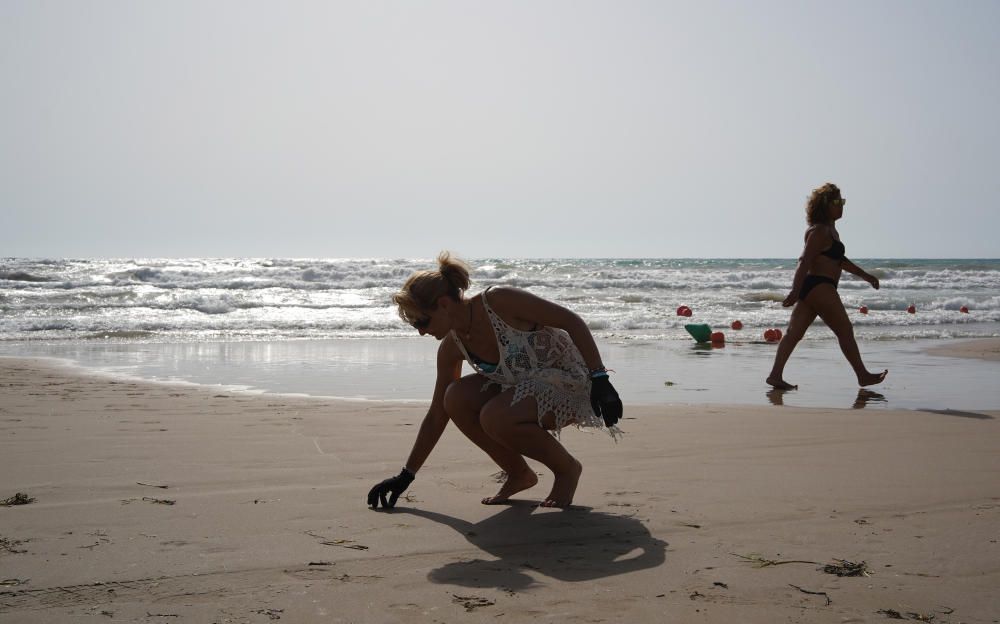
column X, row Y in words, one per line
column 421, row 323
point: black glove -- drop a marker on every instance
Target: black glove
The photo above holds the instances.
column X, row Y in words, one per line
column 392, row 485
column 604, row 399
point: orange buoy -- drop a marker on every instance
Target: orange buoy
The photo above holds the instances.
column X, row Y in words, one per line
column 737, row 325
column 769, row 336
column 863, row 309
column 912, row 309
column 964, row 310
column 718, row 338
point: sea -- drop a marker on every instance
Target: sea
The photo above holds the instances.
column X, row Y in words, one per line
column 327, row 327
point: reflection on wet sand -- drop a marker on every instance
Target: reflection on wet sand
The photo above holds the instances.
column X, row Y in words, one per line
column 866, row 396
column 776, row 396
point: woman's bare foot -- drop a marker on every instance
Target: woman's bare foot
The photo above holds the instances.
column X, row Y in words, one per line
column 870, row 379
column 781, row 384
column 564, row 487
column 513, row 485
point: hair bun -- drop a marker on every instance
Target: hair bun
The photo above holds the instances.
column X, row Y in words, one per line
column 454, row 271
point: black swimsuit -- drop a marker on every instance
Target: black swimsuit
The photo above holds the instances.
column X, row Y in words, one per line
column 812, row 281
column 836, row 252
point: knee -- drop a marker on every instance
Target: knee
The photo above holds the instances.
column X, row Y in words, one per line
column 455, row 401
column 843, row 330
column 793, row 335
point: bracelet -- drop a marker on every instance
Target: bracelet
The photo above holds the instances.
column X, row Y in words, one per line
column 598, row 372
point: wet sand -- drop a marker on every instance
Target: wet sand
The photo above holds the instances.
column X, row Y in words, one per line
column 261, row 513
column 983, row 349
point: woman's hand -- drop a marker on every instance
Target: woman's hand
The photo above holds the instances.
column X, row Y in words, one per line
column 393, row 486
column 604, row 399
column 791, row 299
column 871, row 279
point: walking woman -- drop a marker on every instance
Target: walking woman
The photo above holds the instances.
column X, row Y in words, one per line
column 814, row 288
column 537, row 369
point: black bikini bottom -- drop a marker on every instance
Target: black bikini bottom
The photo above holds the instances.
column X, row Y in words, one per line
column 812, row 281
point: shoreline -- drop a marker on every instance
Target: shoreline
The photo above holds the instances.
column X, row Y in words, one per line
column 647, row 373
column 267, row 513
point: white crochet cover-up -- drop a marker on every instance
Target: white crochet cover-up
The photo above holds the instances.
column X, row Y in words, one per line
column 544, row 364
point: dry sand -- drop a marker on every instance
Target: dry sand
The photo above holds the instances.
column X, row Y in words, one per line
column 267, row 517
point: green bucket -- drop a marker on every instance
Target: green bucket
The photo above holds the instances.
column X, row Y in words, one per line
column 699, row 331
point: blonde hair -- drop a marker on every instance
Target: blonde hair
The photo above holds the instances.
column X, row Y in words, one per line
column 818, row 206
column 422, row 290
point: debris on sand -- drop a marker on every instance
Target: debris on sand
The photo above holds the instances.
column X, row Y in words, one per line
column 17, row 499
column 842, row 567
column 272, row 614
column 12, row 582
column 159, row 501
column 814, row 593
column 343, row 543
column 472, row 602
column 10, row 545
column 761, row 562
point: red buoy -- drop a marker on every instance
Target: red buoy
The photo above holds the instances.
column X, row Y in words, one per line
column 863, row 309
column 912, row 309
column 964, row 310
column 718, row 338
column 777, row 334
column 769, row 335
column 684, row 311
column 737, row 324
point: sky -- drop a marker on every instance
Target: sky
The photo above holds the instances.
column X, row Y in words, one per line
column 496, row 129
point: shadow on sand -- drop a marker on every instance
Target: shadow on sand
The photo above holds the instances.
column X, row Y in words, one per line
column 576, row 544
column 959, row 413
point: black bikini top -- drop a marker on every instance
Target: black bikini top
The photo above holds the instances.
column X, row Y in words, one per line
column 836, row 251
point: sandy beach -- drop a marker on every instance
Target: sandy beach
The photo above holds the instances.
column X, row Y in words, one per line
column 982, row 349
column 160, row 503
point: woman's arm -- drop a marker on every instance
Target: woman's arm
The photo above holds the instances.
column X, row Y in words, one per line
column 854, row 269
column 449, row 368
column 817, row 239
column 527, row 309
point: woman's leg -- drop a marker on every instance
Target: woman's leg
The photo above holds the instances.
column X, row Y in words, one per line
column 803, row 315
column 825, row 299
column 516, row 427
column 463, row 402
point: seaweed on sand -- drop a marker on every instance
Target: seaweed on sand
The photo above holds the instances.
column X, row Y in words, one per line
column 17, row 499
column 842, row 567
column 760, row 562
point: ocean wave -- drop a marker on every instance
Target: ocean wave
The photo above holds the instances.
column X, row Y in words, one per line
column 257, row 298
column 21, row 276
column 120, row 334
column 773, row 296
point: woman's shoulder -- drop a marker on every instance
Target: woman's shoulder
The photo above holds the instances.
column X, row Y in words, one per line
column 448, row 350
column 502, row 292
column 514, row 306
column 503, row 297
column 821, row 230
